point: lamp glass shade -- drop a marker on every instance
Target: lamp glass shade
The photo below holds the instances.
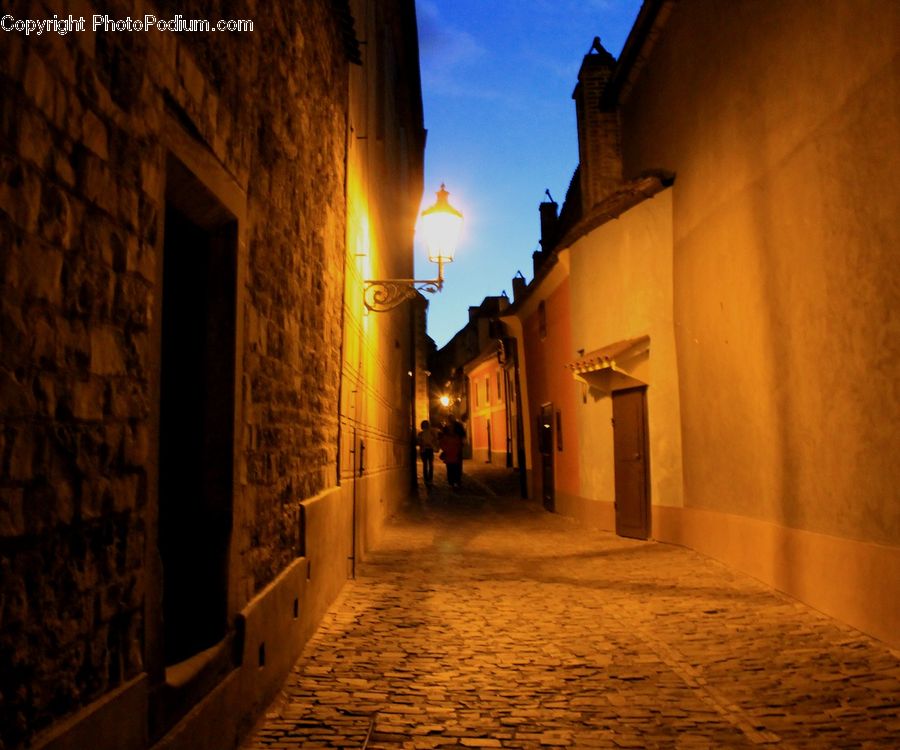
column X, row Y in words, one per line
column 441, row 225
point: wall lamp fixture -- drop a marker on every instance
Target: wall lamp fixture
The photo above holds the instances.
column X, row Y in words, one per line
column 441, row 224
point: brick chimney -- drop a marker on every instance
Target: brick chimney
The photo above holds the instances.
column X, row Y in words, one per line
column 537, row 260
column 549, row 225
column 518, row 285
column 599, row 148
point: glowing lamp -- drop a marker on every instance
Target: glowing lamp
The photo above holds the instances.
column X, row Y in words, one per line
column 441, row 224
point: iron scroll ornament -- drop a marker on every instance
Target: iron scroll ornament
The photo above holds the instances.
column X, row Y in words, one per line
column 381, row 295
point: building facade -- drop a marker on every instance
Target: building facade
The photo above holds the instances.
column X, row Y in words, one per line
column 187, row 376
column 727, row 244
column 449, row 381
column 490, row 432
column 385, row 144
column 541, row 319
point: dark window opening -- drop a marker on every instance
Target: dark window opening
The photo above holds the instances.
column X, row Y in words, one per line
column 196, row 414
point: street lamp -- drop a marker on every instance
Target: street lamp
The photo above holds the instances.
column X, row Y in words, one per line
column 441, row 224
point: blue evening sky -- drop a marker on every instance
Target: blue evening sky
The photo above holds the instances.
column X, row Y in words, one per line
column 497, row 81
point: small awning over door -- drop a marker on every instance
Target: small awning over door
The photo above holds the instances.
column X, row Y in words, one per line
column 612, row 367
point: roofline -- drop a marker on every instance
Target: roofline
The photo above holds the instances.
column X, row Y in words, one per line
column 612, row 207
column 650, row 20
column 615, row 204
column 643, row 35
column 543, row 272
column 486, row 354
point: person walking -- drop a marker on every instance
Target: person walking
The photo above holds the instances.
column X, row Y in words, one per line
column 428, row 441
column 452, row 439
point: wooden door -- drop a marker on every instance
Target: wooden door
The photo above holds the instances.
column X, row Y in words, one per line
column 630, row 453
column 545, row 444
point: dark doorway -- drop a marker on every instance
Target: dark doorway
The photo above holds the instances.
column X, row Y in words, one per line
column 545, row 444
column 630, row 453
column 196, row 414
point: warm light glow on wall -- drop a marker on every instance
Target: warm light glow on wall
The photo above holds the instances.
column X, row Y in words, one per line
column 362, row 238
column 360, row 244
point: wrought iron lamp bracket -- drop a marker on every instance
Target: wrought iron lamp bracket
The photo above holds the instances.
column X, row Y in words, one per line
column 381, row 295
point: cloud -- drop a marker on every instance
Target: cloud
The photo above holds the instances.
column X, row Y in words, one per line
column 442, row 44
column 450, row 56
column 562, row 69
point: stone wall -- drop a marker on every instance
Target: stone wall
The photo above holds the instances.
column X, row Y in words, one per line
column 82, row 176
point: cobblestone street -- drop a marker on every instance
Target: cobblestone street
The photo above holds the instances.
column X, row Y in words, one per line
column 483, row 621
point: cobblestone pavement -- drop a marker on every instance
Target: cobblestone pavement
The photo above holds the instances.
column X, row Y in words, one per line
column 483, row 621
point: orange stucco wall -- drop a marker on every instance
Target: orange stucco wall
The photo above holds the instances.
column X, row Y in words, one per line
column 550, row 382
column 487, row 406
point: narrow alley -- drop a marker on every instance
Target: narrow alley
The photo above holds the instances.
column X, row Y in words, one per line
column 483, row 621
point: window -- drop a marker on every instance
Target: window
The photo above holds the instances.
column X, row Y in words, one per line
column 499, row 394
column 487, row 389
column 542, row 320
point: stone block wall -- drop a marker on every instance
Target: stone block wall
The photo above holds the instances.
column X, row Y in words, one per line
column 82, row 177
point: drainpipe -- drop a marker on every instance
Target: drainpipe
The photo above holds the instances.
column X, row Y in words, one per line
column 353, row 515
column 509, row 423
column 513, row 351
column 413, row 381
column 520, row 438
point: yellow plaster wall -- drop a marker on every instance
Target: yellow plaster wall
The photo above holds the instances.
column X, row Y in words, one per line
column 375, row 456
column 384, row 188
column 782, row 125
column 621, row 285
column 851, row 580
